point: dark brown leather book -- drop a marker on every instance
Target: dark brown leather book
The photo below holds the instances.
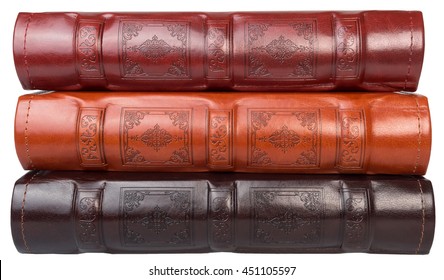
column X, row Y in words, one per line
column 287, row 51
column 251, row 132
column 75, row 212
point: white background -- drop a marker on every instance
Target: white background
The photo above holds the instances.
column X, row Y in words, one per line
column 312, row 266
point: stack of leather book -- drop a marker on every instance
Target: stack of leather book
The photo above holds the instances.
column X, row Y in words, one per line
column 243, row 132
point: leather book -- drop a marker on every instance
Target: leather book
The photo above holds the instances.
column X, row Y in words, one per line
column 252, row 132
column 242, row 51
column 76, row 212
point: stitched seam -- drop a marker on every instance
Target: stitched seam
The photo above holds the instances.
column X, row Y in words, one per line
column 409, row 67
column 421, row 238
column 22, row 212
column 25, row 51
column 31, row 164
column 418, row 151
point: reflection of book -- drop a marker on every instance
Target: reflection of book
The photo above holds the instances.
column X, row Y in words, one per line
column 252, row 132
column 315, row 51
column 73, row 212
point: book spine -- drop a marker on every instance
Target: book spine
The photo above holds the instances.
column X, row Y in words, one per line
column 285, row 133
column 287, row 51
column 235, row 215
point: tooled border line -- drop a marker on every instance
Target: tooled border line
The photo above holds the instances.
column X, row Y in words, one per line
column 22, row 212
column 423, row 219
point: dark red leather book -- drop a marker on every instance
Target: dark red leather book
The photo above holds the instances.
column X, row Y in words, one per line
column 75, row 212
column 285, row 51
column 244, row 132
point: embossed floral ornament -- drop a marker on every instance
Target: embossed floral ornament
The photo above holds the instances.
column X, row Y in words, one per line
column 154, row 48
column 156, row 138
column 156, row 217
column 287, row 222
column 283, row 139
column 157, row 221
column 146, row 55
column 281, row 49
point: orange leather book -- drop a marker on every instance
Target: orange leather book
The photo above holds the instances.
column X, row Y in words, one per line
column 245, row 132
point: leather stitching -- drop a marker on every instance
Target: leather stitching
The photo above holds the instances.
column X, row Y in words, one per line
column 25, row 53
column 418, row 153
column 409, row 67
column 31, row 164
column 421, row 238
column 22, row 212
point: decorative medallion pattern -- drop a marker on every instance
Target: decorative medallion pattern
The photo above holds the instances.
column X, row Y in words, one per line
column 88, row 209
column 156, row 138
column 156, row 217
column 283, row 139
column 288, row 139
column 89, row 137
column 356, row 218
column 351, row 139
column 153, row 137
column 220, row 138
column 280, row 50
column 157, row 221
column 347, row 48
column 218, row 50
column 88, row 49
column 154, row 50
column 287, row 217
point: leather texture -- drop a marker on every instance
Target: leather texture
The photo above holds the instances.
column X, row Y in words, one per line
column 252, row 132
column 278, row 51
column 75, row 212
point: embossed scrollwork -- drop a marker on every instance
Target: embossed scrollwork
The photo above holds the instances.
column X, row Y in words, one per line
column 345, row 52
